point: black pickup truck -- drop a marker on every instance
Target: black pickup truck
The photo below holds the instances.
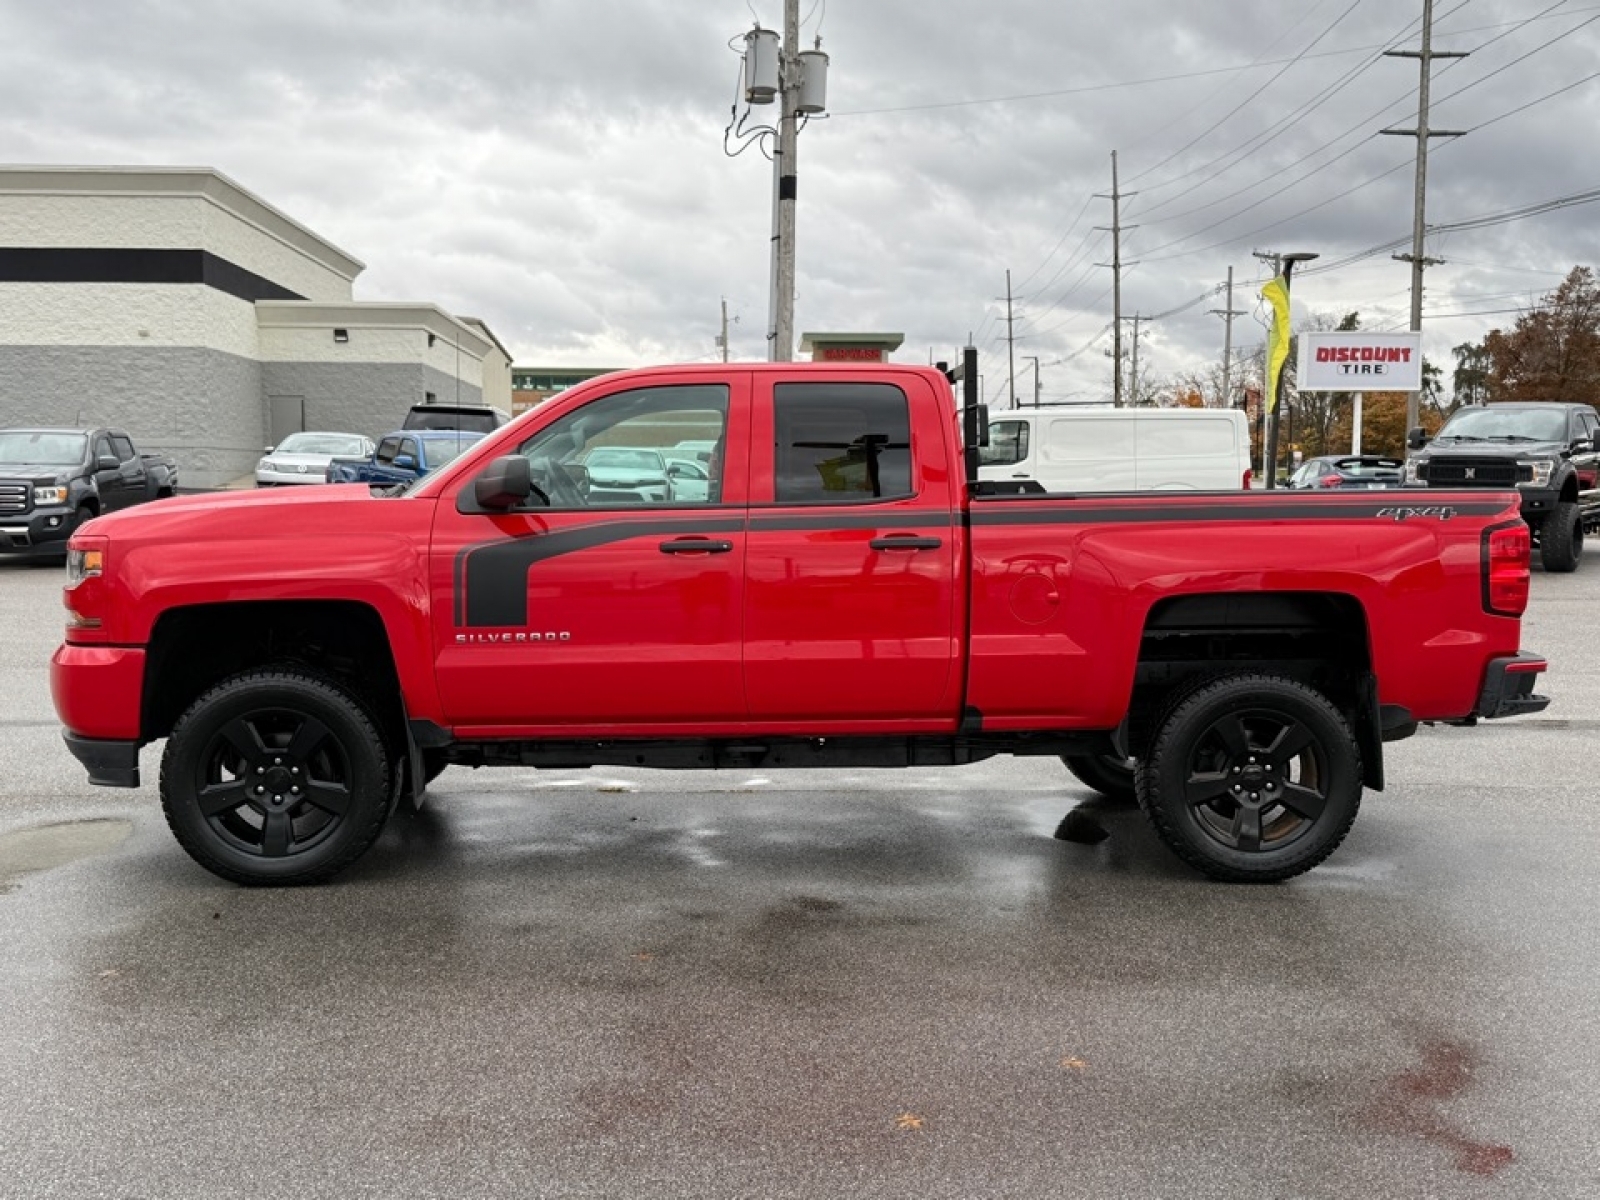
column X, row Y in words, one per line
column 1546, row 451
column 53, row 480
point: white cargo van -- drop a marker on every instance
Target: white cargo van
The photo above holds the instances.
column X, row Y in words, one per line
column 1117, row 450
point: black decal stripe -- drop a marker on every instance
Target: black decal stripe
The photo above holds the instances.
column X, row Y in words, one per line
column 897, row 519
column 492, row 579
column 127, row 265
column 1076, row 513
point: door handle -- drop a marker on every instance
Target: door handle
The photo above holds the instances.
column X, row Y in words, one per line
column 696, row 546
column 905, row 541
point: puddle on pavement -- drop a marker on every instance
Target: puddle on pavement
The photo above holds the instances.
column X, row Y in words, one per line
column 28, row 851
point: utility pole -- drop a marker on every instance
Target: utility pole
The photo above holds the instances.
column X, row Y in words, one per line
column 1228, row 313
column 784, row 167
column 1116, row 228
column 723, row 340
column 1034, row 359
column 1133, row 366
column 1011, row 347
column 1419, row 218
column 798, row 81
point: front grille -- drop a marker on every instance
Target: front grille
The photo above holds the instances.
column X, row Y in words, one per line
column 14, row 498
column 1477, row 472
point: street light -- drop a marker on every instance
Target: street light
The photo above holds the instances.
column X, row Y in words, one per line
column 1276, row 400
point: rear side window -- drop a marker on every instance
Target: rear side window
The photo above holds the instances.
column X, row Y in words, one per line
column 838, row 443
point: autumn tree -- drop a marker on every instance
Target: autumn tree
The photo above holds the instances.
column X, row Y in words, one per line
column 1470, row 383
column 1553, row 351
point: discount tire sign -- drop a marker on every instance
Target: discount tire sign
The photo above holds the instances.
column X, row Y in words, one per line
column 1360, row 362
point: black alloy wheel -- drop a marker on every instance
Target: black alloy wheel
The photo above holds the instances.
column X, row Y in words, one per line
column 1252, row 778
column 276, row 777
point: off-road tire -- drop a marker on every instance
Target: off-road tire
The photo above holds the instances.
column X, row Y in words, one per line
column 1107, row 774
column 1251, row 778
column 1561, row 539
column 276, row 778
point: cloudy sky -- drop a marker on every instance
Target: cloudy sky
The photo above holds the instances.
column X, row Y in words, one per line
column 561, row 168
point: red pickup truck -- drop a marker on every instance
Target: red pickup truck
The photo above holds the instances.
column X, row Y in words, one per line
column 836, row 594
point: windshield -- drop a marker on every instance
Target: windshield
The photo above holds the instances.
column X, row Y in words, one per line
column 1537, row 424
column 322, row 443
column 442, row 449
column 20, row 447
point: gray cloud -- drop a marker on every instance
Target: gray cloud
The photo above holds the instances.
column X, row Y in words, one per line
column 558, row 169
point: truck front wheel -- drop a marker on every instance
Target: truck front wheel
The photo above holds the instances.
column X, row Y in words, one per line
column 276, row 777
column 1561, row 538
column 1252, row 778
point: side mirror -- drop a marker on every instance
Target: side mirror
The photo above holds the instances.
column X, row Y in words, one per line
column 405, row 462
column 505, row 482
column 107, row 462
column 675, row 472
column 1416, row 439
column 266, row 450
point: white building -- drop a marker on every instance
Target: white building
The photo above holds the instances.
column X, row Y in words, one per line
column 177, row 305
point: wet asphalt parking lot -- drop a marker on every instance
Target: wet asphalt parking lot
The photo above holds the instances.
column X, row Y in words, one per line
column 896, row 984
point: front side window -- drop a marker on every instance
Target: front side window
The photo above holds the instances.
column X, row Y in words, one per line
column 387, row 449
column 122, row 447
column 839, row 443
column 618, row 451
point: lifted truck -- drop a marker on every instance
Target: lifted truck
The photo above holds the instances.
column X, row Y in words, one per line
column 844, row 596
column 1545, row 450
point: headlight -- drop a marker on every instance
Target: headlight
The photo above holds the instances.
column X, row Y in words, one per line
column 50, row 495
column 84, row 563
column 1413, row 471
column 1541, row 472
column 264, row 465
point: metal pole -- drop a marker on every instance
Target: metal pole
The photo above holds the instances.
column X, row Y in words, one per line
column 785, row 170
column 1419, row 216
column 1011, row 346
column 1228, row 314
column 1355, row 424
column 1034, row 359
column 1116, row 288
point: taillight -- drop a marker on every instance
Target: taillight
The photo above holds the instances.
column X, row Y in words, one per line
column 1331, row 481
column 1505, row 570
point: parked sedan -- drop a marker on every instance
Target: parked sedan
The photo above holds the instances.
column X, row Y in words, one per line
column 1348, row 471
column 688, row 481
column 403, row 456
column 304, row 457
column 618, row 472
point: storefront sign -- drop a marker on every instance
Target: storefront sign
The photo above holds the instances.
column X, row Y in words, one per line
column 1360, row 362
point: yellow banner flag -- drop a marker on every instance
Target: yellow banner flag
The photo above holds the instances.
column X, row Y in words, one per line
column 1276, row 293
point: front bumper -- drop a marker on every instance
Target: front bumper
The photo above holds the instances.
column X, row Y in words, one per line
column 1508, row 687
column 110, row 763
column 284, row 476
column 42, row 533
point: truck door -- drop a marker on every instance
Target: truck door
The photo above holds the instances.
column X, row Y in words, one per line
column 849, row 606
column 606, row 609
column 123, row 484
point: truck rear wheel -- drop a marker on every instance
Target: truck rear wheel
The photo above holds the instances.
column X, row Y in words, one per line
column 1252, row 778
column 1561, row 538
column 276, row 777
column 1107, row 774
